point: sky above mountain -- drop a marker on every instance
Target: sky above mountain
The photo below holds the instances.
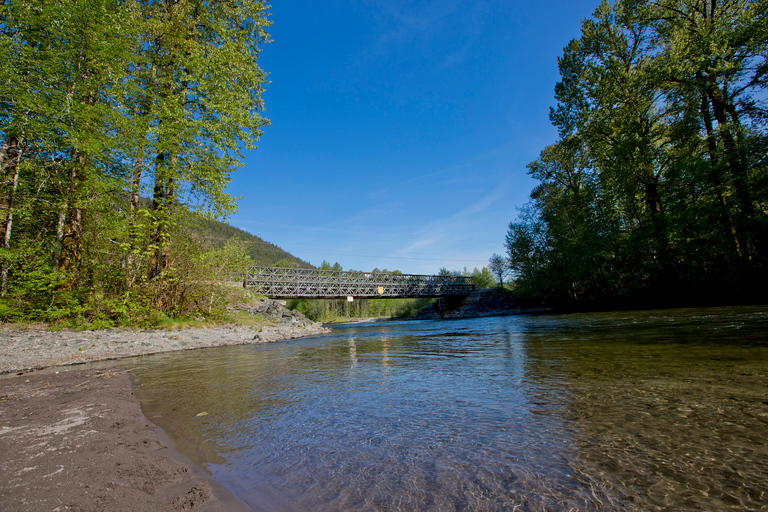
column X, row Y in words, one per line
column 401, row 130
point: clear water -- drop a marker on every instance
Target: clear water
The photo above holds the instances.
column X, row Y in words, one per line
column 664, row 410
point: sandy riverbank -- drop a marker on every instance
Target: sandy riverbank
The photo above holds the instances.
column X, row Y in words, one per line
column 77, row 440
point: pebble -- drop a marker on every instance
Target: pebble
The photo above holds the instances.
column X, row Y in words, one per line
column 22, row 350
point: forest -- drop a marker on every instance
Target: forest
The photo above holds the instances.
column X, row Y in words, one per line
column 261, row 252
column 121, row 123
column 656, row 191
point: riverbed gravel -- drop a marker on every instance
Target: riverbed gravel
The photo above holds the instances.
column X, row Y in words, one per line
column 29, row 348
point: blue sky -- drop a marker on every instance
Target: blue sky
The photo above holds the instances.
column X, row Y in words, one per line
column 400, row 130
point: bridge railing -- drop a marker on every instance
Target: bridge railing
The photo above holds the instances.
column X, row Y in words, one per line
column 309, row 283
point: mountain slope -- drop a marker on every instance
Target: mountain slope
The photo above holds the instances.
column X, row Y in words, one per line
column 263, row 253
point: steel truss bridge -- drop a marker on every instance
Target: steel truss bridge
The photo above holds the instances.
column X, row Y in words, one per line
column 299, row 283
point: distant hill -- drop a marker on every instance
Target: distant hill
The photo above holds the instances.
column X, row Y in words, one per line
column 217, row 233
column 263, row 253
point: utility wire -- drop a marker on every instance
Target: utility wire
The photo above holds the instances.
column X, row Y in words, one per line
column 394, row 257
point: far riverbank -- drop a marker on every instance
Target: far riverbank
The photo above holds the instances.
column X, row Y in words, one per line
column 34, row 347
column 24, row 350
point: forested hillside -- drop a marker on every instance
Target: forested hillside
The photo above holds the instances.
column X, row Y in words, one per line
column 262, row 253
column 656, row 192
column 103, row 102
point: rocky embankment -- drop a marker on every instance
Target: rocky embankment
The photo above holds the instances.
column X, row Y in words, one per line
column 481, row 304
column 273, row 310
column 29, row 348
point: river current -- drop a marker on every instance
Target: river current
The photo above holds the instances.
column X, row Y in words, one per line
column 642, row 411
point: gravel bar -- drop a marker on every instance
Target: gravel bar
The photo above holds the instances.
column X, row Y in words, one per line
column 30, row 349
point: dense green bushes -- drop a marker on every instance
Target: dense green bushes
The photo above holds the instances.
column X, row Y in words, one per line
column 195, row 284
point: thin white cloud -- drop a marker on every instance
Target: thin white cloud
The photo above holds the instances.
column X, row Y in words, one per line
column 422, row 241
column 484, row 202
column 446, row 228
column 455, row 173
column 412, row 21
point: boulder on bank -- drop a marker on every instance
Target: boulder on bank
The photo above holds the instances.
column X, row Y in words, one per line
column 275, row 310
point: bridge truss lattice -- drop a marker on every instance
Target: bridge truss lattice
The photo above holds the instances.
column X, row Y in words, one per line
column 298, row 283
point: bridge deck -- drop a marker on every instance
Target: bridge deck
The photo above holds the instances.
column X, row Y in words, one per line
column 297, row 283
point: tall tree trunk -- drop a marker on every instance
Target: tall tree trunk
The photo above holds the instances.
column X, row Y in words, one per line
column 715, row 176
column 165, row 248
column 72, row 232
column 734, row 156
column 662, row 277
column 653, row 203
column 71, row 241
column 138, row 172
column 10, row 158
column 62, row 218
column 158, row 220
column 162, row 201
column 130, row 259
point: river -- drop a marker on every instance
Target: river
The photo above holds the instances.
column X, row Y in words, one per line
column 656, row 410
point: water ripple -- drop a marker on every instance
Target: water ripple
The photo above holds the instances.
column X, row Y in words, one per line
column 664, row 410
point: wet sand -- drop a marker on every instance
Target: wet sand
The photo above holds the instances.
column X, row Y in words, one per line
column 77, row 440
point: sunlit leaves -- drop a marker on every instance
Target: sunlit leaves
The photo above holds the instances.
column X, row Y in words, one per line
column 653, row 188
column 109, row 99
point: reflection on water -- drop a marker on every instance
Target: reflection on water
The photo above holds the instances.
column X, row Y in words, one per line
column 622, row 411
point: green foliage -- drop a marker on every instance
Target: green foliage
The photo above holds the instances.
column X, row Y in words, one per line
column 262, row 253
column 481, row 277
column 338, row 310
column 336, row 266
column 654, row 191
column 103, row 101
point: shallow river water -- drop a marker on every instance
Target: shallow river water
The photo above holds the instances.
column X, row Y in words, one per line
column 659, row 410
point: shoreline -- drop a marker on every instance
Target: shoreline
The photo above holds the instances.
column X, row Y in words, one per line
column 25, row 350
column 75, row 438
column 79, row 440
